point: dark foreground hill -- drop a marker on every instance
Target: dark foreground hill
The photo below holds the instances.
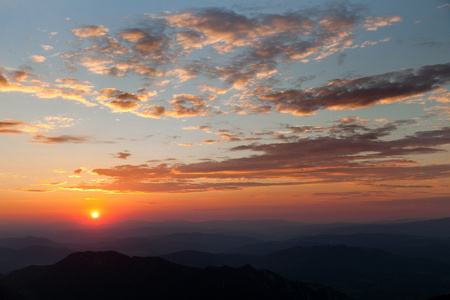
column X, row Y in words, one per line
column 111, row 275
column 363, row 273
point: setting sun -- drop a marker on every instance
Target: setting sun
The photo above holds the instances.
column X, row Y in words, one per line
column 95, row 215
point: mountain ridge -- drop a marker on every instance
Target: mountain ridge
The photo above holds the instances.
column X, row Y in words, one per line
column 111, row 275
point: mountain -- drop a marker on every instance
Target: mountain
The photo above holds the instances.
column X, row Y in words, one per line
column 266, row 230
column 204, row 259
column 13, row 259
column 18, row 243
column 407, row 245
column 111, row 275
column 363, row 273
column 16, row 253
column 440, row 297
column 159, row 245
column 439, row 228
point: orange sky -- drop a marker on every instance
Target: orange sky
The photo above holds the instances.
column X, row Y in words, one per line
column 317, row 113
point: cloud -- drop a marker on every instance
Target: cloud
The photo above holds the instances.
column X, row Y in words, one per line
column 186, row 105
column 209, row 142
column 37, row 58
column 205, row 128
column 47, row 47
column 44, row 139
column 11, row 127
column 51, row 183
column 79, row 170
column 122, row 155
column 20, row 76
column 233, row 51
column 361, row 92
column 123, row 101
column 90, row 31
column 373, row 23
column 220, row 51
column 35, row 190
column 362, row 155
column 63, row 88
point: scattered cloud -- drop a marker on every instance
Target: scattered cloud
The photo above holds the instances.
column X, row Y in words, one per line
column 37, row 58
column 249, row 55
column 90, row 31
column 47, row 47
column 66, row 88
column 373, row 23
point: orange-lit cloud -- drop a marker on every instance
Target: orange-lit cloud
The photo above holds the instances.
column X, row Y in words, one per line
column 361, row 92
column 254, row 50
column 37, row 58
column 186, row 105
column 11, row 127
column 64, row 88
column 79, row 170
column 354, row 154
column 90, row 31
column 44, row 139
column 204, row 128
column 373, row 23
column 47, row 47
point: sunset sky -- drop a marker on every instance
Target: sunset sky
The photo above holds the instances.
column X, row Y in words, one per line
column 312, row 111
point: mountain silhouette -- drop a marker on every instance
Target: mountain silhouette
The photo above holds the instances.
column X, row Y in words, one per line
column 111, row 275
column 363, row 273
column 159, row 245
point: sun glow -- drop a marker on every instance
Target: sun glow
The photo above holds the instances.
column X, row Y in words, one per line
column 95, row 215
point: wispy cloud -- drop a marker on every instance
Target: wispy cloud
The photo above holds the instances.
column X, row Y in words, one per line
column 11, row 127
column 373, row 23
column 44, row 139
column 351, row 151
column 65, row 88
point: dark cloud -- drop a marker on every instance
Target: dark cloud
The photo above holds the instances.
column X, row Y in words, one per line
column 123, row 101
column 188, row 106
column 122, row 155
column 361, row 92
column 44, row 139
column 11, row 127
column 79, row 171
column 362, row 156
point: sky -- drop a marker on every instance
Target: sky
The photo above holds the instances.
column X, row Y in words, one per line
column 311, row 111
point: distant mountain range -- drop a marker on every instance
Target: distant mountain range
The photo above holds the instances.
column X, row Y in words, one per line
column 389, row 261
column 266, row 230
column 111, row 275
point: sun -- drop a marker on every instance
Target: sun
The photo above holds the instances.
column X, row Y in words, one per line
column 95, row 215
